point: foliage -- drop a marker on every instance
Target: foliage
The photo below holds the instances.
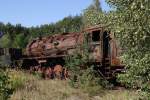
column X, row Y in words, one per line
column 137, row 70
column 10, row 81
column 93, row 15
column 144, row 95
column 5, row 85
column 78, row 60
column 69, row 24
column 17, row 79
column 83, row 75
column 5, row 41
column 131, row 21
column 20, row 41
column 17, row 36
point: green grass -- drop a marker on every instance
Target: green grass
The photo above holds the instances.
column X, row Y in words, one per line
column 18, row 79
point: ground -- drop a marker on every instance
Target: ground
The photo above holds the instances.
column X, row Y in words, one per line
column 39, row 89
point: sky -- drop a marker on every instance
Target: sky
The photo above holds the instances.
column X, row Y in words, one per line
column 37, row 12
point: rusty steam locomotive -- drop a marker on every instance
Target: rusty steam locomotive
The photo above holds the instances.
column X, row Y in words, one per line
column 51, row 51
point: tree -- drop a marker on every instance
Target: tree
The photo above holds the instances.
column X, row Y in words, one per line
column 70, row 24
column 132, row 25
column 94, row 15
column 20, row 41
column 5, row 41
column 97, row 5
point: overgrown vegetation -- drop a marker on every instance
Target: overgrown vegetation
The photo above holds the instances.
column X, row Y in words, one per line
column 5, row 85
column 12, row 81
column 132, row 26
column 37, row 89
column 83, row 75
column 93, row 15
column 129, row 19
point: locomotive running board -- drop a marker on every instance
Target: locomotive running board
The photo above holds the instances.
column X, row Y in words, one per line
column 42, row 61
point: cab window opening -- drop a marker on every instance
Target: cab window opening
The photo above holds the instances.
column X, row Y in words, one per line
column 96, row 36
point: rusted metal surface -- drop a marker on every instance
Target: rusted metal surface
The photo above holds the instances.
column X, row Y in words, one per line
column 61, row 45
column 49, row 72
column 53, row 45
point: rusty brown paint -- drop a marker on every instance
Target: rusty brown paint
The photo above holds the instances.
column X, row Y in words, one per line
column 65, row 44
column 60, row 45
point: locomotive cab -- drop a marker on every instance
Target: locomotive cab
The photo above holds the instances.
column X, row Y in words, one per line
column 94, row 44
column 104, row 51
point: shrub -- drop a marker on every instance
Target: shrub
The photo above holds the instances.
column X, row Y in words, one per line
column 5, row 85
column 137, row 75
column 83, row 75
column 17, row 79
column 10, row 81
column 132, row 27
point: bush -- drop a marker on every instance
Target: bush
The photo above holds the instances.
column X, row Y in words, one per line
column 137, row 74
column 10, row 81
column 83, row 75
column 144, row 95
column 17, row 79
column 5, row 85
